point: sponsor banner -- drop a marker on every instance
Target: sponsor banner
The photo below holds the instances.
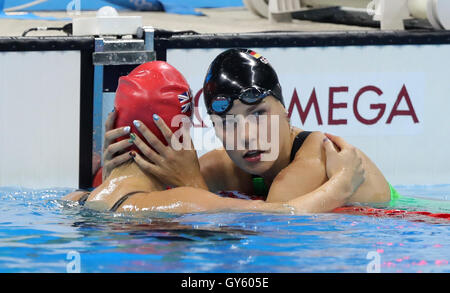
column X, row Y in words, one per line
column 390, row 101
column 364, row 104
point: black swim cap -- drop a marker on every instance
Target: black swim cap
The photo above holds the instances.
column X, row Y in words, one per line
column 237, row 70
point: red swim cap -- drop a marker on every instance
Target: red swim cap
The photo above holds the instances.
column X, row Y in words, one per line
column 152, row 88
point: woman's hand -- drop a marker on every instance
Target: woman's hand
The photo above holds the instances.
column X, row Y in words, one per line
column 346, row 160
column 175, row 164
column 113, row 153
column 345, row 172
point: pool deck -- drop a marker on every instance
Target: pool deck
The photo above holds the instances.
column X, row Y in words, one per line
column 222, row 20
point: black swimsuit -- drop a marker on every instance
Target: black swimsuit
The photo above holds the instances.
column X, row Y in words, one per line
column 259, row 186
column 118, row 203
column 122, row 200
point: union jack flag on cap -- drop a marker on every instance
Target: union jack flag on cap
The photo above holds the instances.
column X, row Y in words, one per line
column 185, row 100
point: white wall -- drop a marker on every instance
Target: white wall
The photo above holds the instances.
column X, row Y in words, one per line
column 39, row 118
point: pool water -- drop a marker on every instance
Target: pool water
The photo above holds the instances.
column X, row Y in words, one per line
column 40, row 233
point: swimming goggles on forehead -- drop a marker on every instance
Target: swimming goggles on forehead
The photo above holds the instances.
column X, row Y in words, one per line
column 250, row 96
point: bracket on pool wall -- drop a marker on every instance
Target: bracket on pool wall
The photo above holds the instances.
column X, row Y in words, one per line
column 112, row 59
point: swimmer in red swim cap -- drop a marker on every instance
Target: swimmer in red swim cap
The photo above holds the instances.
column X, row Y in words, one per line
column 147, row 100
column 154, row 89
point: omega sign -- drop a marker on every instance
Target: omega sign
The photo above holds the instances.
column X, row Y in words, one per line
column 396, row 105
column 305, row 107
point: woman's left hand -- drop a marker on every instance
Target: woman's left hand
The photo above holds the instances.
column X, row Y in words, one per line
column 346, row 159
column 175, row 164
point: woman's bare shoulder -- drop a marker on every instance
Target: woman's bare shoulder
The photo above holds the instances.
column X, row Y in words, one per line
column 218, row 170
column 375, row 187
column 177, row 200
column 192, row 200
column 213, row 158
column 312, row 146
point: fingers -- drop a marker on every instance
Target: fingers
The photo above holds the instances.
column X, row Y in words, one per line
column 146, row 167
column 165, row 130
column 329, row 148
column 185, row 134
column 111, row 164
column 360, row 172
column 150, row 137
column 187, row 127
column 114, row 148
column 109, row 124
column 339, row 141
column 146, row 150
column 111, row 135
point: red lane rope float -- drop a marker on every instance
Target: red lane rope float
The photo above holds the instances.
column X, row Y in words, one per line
column 374, row 212
column 416, row 216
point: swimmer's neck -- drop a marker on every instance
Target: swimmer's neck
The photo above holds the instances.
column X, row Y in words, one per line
column 134, row 178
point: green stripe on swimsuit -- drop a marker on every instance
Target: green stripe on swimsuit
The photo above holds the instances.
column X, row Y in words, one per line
column 394, row 193
column 417, row 204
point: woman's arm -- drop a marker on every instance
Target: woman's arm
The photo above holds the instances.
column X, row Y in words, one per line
column 308, row 172
column 346, row 175
column 75, row 196
column 331, row 195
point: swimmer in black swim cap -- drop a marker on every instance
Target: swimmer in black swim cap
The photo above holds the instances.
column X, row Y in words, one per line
column 242, row 83
column 239, row 74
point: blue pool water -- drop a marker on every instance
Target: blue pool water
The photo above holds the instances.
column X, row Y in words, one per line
column 40, row 233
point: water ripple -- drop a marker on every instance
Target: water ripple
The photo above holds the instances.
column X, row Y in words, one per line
column 37, row 230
